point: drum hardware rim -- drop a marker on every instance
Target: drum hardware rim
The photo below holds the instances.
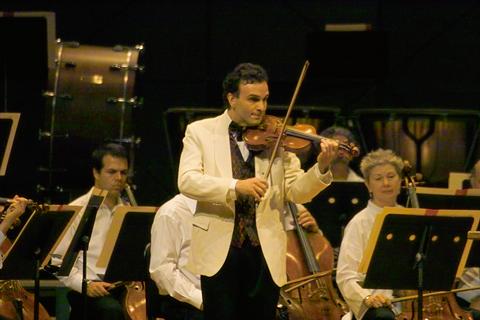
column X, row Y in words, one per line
column 56, row 170
column 123, row 48
column 51, row 94
column 47, row 134
column 69, row 64
column 69, row 44
column 131, row 140
column 124, row 66
column 40, row 188
column 134, row 101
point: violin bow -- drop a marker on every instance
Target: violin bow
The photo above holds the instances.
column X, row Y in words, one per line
column 285, row 120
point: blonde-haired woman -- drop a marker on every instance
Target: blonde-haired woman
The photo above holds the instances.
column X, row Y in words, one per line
column 382, row 170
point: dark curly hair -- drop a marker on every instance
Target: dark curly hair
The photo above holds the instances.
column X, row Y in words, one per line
column 243, row 73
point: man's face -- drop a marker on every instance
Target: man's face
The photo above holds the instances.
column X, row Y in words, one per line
column 341, row 156
column 249, row 107
column 113, row 175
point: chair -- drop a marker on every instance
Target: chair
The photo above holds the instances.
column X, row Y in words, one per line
column 457, row 180
column 153, row 300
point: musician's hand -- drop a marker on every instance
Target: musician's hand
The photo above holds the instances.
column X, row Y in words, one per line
column 255, row 187
column 14, row 211
column 97, row 289
column 327, row 154
column 475, row 303
column 377, row 301
column 307, row 221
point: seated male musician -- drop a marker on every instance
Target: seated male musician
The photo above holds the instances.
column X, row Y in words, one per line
column 340, row 166
column 109, row 168
column 170, row 248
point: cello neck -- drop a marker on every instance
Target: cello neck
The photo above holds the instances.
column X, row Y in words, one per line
column 312, row 263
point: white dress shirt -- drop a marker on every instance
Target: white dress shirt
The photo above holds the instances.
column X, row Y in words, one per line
column 102, row 223
column 353, row 176
column 470, row 278
column 2, row 238
column 170, row 248
column 353, row 245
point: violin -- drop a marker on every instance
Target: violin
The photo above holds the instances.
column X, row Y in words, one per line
column 294, row 138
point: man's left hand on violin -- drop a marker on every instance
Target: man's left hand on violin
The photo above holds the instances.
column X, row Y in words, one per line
column 328, row 152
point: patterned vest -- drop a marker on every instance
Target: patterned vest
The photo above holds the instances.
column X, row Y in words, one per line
column 245, row 226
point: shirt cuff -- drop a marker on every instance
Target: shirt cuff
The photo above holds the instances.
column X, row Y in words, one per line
column 326, row 177
column 197, row 299
column 232, row 194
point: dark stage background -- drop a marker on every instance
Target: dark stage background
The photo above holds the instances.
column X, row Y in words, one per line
column 418, row 57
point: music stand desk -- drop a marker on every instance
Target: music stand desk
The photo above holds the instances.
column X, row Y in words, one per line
column 81, row 238
column 123, row 252
column 336, row 205
column 8, row 128
column 39, row 237
column 390, row 255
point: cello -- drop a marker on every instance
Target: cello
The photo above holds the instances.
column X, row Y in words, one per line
column 133, row 301
column 309, row 293
column 436, row 306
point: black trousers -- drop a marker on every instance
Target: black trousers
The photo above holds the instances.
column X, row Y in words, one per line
column 242, row 289
column 172, row 309
column 103, row 308
column 382, row 313
column 466, row 306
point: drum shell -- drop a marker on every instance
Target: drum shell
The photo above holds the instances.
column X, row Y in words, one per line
column 86, row 83
column 91, row 100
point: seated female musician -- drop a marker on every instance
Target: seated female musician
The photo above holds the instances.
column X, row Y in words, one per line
column 382, row 172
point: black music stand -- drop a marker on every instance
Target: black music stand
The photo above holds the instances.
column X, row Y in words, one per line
column 33, row 247
column 8, row 128
column 436, row 198
column 336, row 205
column 81, row 239
column 123, row 251
column 419, row 240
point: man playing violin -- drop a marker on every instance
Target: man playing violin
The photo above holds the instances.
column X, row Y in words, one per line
column 238, row 239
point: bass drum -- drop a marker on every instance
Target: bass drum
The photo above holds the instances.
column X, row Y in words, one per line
column 92, row 96
column 93, row 91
